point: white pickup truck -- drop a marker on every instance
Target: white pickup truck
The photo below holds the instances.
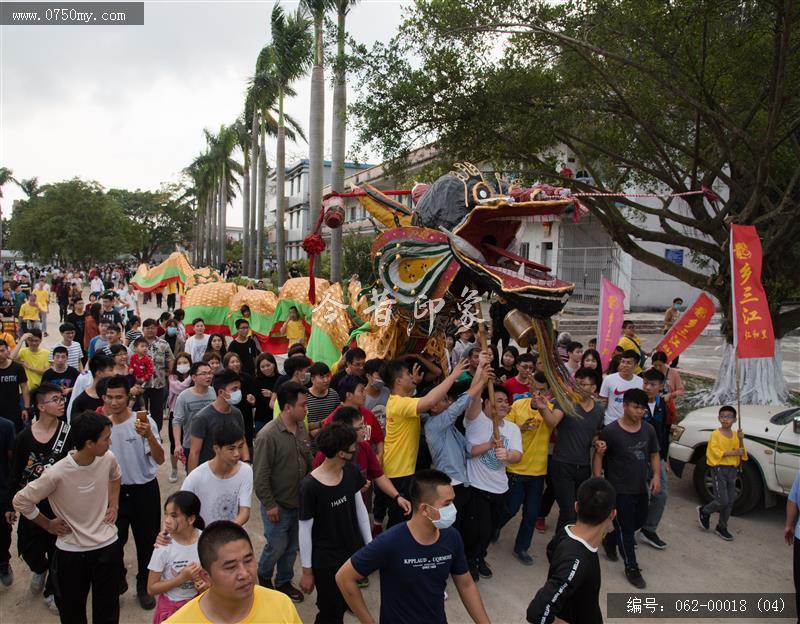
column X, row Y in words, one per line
column 772, row 440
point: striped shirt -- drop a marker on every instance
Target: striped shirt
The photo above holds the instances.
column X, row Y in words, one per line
column 74, row 354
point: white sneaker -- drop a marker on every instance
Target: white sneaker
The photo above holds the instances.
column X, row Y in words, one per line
column 173, row 476
column 37, row 583
column 50, row 603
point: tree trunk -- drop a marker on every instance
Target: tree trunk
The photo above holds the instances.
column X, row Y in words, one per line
column 761, row 380
column 223, row 205
column 255, row 160
column 280, row 183
column 338, row 141
column 262, row 199
column 316, row 130
column 245, row 210
column 211, row 210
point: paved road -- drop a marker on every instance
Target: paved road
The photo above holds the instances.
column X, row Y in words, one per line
column 694, row 561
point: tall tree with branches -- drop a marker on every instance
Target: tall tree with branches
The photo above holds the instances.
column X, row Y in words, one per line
column 667, row 97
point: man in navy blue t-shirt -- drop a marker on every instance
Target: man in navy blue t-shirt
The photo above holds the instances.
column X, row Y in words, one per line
column 415, row 558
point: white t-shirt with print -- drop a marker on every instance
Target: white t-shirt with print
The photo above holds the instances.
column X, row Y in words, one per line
column 612, row 389
column 170, row 560
column 486, row 472
column 220, row 499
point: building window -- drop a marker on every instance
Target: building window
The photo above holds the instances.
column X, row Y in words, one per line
column 525, row 250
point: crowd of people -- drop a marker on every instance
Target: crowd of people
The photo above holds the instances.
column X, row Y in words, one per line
column 410, row 467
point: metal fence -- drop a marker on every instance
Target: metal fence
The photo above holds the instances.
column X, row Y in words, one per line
column 586, row 266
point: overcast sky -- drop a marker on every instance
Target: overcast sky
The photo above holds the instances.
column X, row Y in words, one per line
column 126, row 105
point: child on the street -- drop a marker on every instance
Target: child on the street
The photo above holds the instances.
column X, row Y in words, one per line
column 294, row 330
column 141, row 364
column 175, row 568
column 724, row 453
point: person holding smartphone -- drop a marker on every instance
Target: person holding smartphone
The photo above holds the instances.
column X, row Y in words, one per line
column 138, row 450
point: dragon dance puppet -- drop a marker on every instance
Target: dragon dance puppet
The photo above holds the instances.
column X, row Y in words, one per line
column 457, row 243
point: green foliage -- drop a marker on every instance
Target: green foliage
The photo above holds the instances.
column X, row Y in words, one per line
column 357, row 257
column 233, row 250
column 155, row 221
column 72, row 221
column 667, row 96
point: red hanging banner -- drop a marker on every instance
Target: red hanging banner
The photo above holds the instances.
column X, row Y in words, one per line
column 687, row 328
column 753, row 336
column 609, row 320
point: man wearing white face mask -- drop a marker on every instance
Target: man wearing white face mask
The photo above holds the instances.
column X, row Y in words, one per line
column 228, row 387
column 415, row 558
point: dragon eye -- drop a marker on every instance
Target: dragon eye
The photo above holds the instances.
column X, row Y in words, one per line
column 480, row 192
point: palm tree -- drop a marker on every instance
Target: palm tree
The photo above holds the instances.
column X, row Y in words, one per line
column 339, row 129
column 263, row 91
column 201, row 171
column 30, row 187
column 291, row 43
column 242, row 132
column 221, row 147
column 316, row 124
column 6, row 176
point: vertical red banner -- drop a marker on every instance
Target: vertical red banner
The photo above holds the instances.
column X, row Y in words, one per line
column 688, row 327
column 753, row 336
column 609, row 321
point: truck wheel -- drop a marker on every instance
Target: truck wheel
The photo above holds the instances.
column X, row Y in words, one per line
column 749, row 487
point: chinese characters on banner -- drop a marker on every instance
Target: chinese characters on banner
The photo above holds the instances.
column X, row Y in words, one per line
column 609, row 322
column 687, row 328
column 753, row 336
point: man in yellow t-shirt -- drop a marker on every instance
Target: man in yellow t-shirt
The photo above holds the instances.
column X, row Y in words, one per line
column 42, row 298
column 32, row 357
column 631, row 342
column 401, row 444
column 526, row 478
column 29, row 314
column 228, row 575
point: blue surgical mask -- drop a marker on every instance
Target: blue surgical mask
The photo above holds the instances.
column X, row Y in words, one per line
column 378, row 384
column 447, row 516
column 236, row 397
column 172, row 331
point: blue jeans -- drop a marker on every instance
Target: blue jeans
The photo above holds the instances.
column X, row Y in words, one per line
column 281, row 547
column 526, row 492
column 657, row 502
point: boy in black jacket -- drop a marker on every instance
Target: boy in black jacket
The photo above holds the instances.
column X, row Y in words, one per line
column 572, row 590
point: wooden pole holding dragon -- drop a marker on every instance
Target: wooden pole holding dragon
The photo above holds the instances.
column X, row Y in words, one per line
column 485, row 346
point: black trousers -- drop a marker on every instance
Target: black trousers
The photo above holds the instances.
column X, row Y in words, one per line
column 75, row 573
column 140, row 511
column 797, row 577
column 396, row 514
column 565, row 479
column 483, row 517
column 462, row 503
column 171, row 302
column 330, row 602
column 5, row 541
column 171, row 435
column 548, row 496
column 156, row 399
column 37, row 548
column 631, row 516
